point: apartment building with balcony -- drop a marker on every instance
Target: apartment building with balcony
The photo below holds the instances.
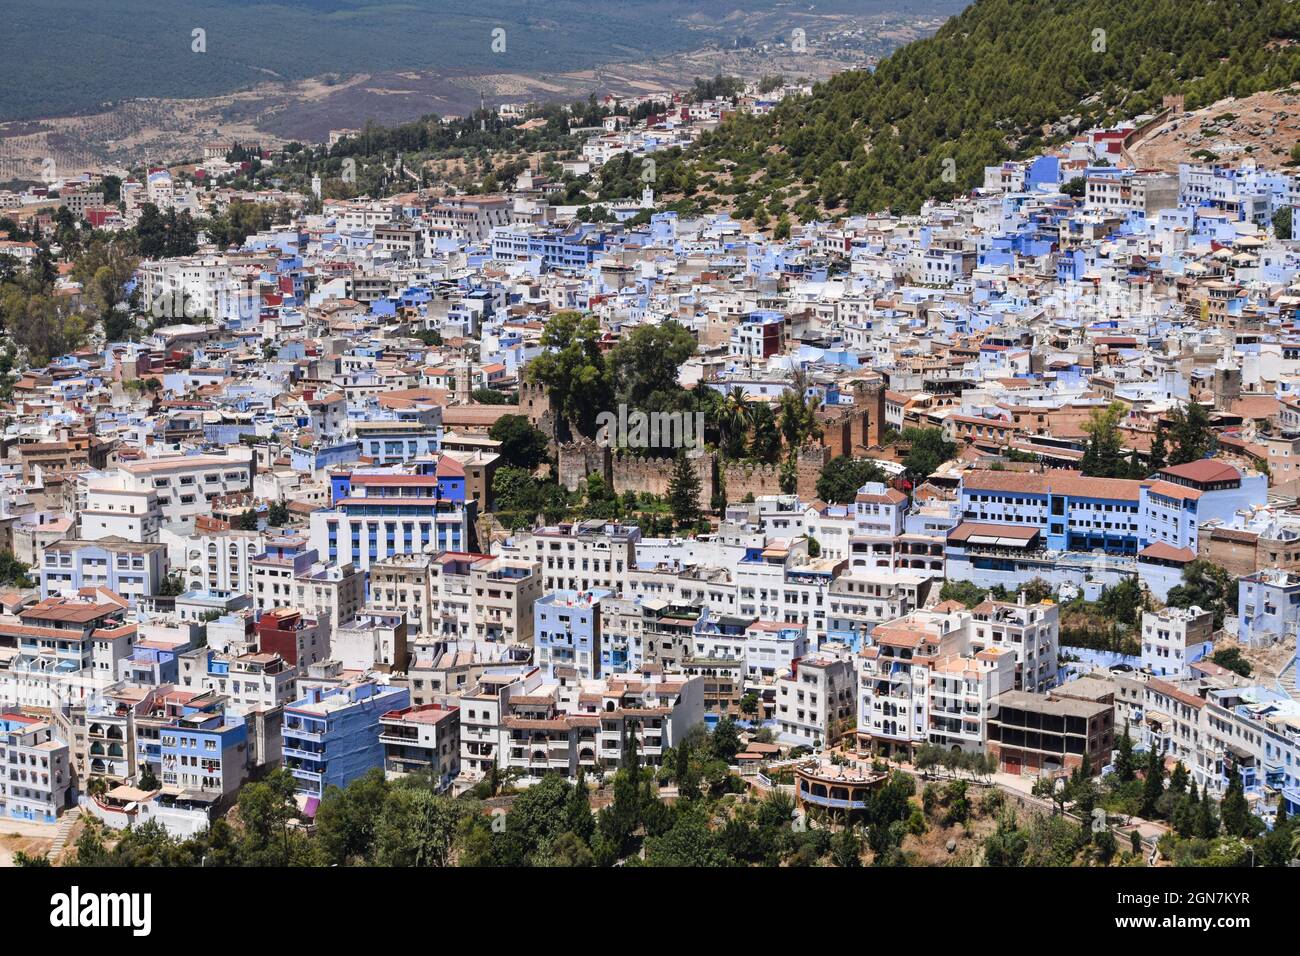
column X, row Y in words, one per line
column 67, row 651
column 331, row 735
column 483, row 744
column 422, row 739
column 578, row 556
column 566, row 633
column 204, row 752
column 215, row 560
column 252, row 680
column 815, row 700
column 927, row 678
column 1031, row 631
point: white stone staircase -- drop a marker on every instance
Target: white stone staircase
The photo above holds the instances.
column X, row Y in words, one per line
column 1286, row 680
column 63, row 831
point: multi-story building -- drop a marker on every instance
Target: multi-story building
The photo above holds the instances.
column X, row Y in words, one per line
column 482, row 707
column 67, row 651
column 1031, row 631
column 252, row 680
column 372, row 641
column 379, row 515
column 423, row 740
column 124, row 567
column 1268, row 606
column 287, row 574
column 1174, row 638
column 1033, row 733
column 565, row 727
column 1179, row 498
column 579, row 557
column 35, row 769
column 331, row 735
column 566, row 633
column 216, row 560
column 109, row 507
column 299, row 640
column 927, row 678
column 815, row 701
column 186, row 484
column 204, row 752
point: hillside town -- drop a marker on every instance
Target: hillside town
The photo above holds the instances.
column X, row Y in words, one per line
column 489, row 488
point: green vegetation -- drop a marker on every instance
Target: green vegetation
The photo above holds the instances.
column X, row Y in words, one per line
column 843, row 476
column 1207, row 586
column 13, row 573
column 1230, row 657
column 1190, row 437
column 1103, row 456
column 985, row 89
column 522, row 445
column 929, row 450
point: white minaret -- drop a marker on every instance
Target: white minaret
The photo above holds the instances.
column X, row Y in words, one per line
column 315, row 185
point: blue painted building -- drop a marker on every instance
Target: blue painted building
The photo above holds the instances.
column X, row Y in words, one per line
column 566, row 632
column 379, row 514
column 331, row 736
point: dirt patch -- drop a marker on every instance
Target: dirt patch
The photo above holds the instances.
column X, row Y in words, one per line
column 12, row 844
column 1262, row 127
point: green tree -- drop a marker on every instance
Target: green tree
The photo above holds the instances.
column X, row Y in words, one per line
column 1006, row 846
column 1191, row 436
column 416, row 828
column 522, row 445
column 1125, row 765
column 684, row 492
column 1234, row 810
column 266, row 808
column 1103, row 456
column 929, row 450
column 846, row 848
column 842, row 477
column 573, row 370
column 765, row 441
column 346, row 818
column 1153, row 783
column 725, row 740
column 1207, row 586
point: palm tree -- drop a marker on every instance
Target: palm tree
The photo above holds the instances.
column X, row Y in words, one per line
column 735, row 418
column 798, row 418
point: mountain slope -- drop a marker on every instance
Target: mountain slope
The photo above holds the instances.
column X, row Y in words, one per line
column 988, row 86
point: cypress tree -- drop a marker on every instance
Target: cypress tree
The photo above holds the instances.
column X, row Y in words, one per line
column 684, row 492
column 1153, row 786
column 1125, row 769
column 1234, row 809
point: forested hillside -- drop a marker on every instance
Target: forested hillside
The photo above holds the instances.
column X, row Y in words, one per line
column 995, row 82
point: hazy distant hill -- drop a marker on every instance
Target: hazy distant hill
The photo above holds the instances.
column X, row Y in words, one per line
column 63, row 56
